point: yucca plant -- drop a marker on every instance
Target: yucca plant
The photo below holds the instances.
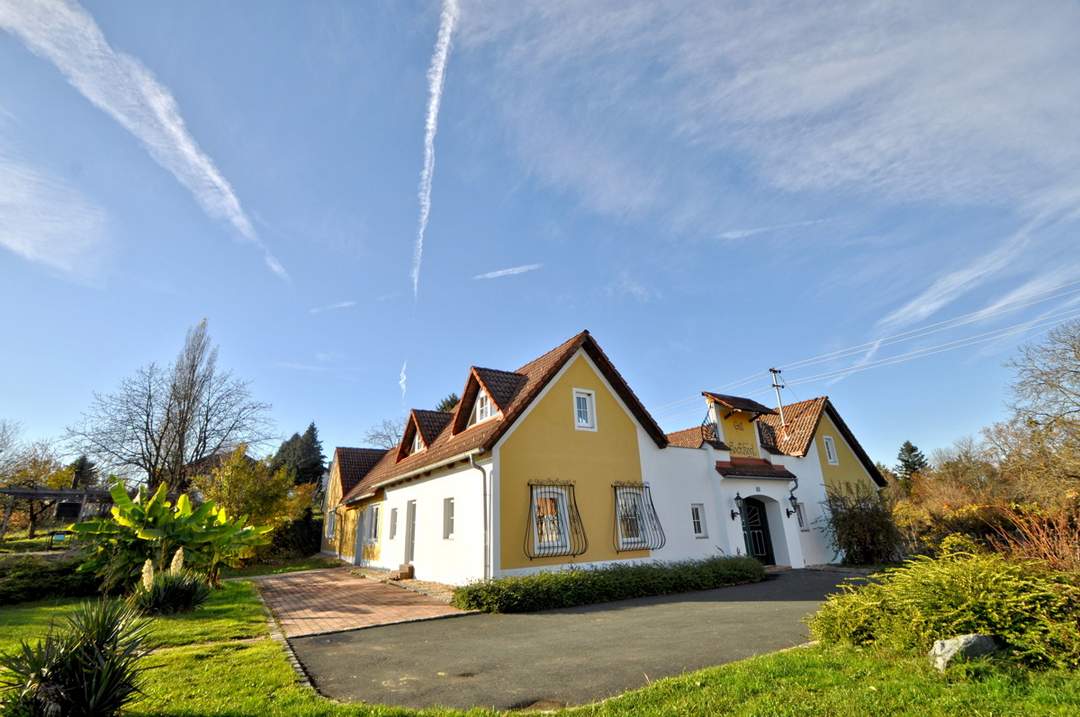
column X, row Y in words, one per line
column 90, row 667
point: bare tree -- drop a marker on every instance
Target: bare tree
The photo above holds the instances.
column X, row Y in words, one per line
column 9, row 447
column 1047, row 387
column 385, row 434
column 160, row 421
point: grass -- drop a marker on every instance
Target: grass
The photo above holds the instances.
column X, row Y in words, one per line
column 202, row 670
column 230, row 613
column 276, row 568
column 25, row 545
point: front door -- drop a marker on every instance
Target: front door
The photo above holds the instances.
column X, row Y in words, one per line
column 410, row 530
column 756, row 531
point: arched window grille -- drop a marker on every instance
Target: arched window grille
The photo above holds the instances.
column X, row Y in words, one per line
column 554, row 527
column 637, row 526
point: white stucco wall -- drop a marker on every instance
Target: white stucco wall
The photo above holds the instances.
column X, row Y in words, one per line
column 811, row 493
column 454, row 561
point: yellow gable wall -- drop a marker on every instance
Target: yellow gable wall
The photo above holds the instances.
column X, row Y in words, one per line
column 848, row 475
column 740, row 434
column 344, row 540
column 546, row 446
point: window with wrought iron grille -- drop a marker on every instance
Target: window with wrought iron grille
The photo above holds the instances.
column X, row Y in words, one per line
column 637, row 526
column 554, row 526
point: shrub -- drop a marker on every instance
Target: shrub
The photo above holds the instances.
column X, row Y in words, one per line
column 90, row 668
column 1032, row 609
column 861, row 527
column 1052, row 537
column 165, row 593
column 568, row 588
column 26, row 578
column 298, row 538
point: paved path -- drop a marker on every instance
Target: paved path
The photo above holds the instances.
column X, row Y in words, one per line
column 320, row 601
column 562, row 657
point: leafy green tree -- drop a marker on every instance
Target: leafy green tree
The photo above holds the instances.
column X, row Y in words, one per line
column 244, row 486
column 448, row 403
column 149, row 527
column 911, row 461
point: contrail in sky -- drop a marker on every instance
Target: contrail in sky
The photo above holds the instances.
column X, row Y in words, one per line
column 403, row 380
column 436, row 77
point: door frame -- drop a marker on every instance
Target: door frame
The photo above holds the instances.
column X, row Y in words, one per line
column 410, row 532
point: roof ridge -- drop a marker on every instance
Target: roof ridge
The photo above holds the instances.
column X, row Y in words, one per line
column 580, row 336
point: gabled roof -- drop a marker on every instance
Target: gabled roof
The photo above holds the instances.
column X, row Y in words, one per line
column 451, row 444
column 738, row 403
column 802, row 419
column 502, row 386
column 354, row 464
column 431, row 423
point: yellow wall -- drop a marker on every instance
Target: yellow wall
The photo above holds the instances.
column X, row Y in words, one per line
column 546, row 446
column 740, row 434
column 849, row 475
column 344, row 541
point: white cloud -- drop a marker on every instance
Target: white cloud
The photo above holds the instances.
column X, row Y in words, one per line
column 332, row 307
column 436, row 76
column 511, row 271
column 752, row 231
column 641, row 109
column 44, row 220
column 119, row 85
column 627, row 286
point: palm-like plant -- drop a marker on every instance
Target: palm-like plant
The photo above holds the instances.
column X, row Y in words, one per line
column 150, row 527
column 90, row 668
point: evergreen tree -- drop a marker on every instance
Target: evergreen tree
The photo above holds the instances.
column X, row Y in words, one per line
column 302, row 454
column 911, row 461
column 84, row 473
column 447, row 404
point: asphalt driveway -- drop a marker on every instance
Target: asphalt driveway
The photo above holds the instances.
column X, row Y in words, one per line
column 562, row 657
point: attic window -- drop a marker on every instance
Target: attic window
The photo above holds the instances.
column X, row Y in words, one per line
column 584, row 409
column 483, row 408
column 830, row 451
column 417, row 443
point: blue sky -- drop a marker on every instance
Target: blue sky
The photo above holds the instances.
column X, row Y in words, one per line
column 712, row 189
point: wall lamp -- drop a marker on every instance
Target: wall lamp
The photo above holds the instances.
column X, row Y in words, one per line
column 739, row 504
column 794, row 505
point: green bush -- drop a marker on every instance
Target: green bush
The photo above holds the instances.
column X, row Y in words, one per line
column 171, row 593
column 26, row 578
column 1033, row 610
column 568, row 588
column 90, row 668
column 861, row 527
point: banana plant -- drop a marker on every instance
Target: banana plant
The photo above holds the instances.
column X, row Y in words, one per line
column 150, row 527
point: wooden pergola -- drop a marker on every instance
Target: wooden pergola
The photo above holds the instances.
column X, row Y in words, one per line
column 82, row 496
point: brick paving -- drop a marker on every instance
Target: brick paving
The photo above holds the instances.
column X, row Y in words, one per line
column 315, row 602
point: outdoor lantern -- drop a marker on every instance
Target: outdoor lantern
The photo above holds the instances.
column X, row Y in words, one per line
column 738, row 503
column 794, row 505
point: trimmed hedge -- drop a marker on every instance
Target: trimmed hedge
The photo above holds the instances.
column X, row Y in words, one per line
column 26, row 578
column 569, row 588
column 1033, row 610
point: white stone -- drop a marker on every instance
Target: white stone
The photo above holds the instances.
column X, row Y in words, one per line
column 945, row 651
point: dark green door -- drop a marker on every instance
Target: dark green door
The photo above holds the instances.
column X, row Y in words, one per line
column 756, row 531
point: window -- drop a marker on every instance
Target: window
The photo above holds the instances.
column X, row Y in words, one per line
column 393, row 523
column 331, row 517
column 697, row 519
column 800, row 513
column 417, row 443
column 637, row 527
column 371, row 533
column 483, row 408
column 448, row 518
column 550, row 517
column 830, row 450
column 584, row 410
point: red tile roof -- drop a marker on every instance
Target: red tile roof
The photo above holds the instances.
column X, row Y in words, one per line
column 449, row 445
column 354, row 464
column 694, row 437
column 752, row 468
column 796, row 437
column 431, row 423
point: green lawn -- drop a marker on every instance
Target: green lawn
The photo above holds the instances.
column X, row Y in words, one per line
column 276, row 568
column 201, row 669
column 24, row 545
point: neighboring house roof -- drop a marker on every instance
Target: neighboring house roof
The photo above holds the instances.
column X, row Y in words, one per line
column 455, row 440
column 354, row 464
column 738, row 403
column 694, row 437
column 796, row 437
column 739, row 467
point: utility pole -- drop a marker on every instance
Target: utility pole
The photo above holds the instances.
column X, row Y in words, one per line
column 779, row 401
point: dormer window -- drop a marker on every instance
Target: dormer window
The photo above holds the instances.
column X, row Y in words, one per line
column 417, row 443
column 483, row 408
